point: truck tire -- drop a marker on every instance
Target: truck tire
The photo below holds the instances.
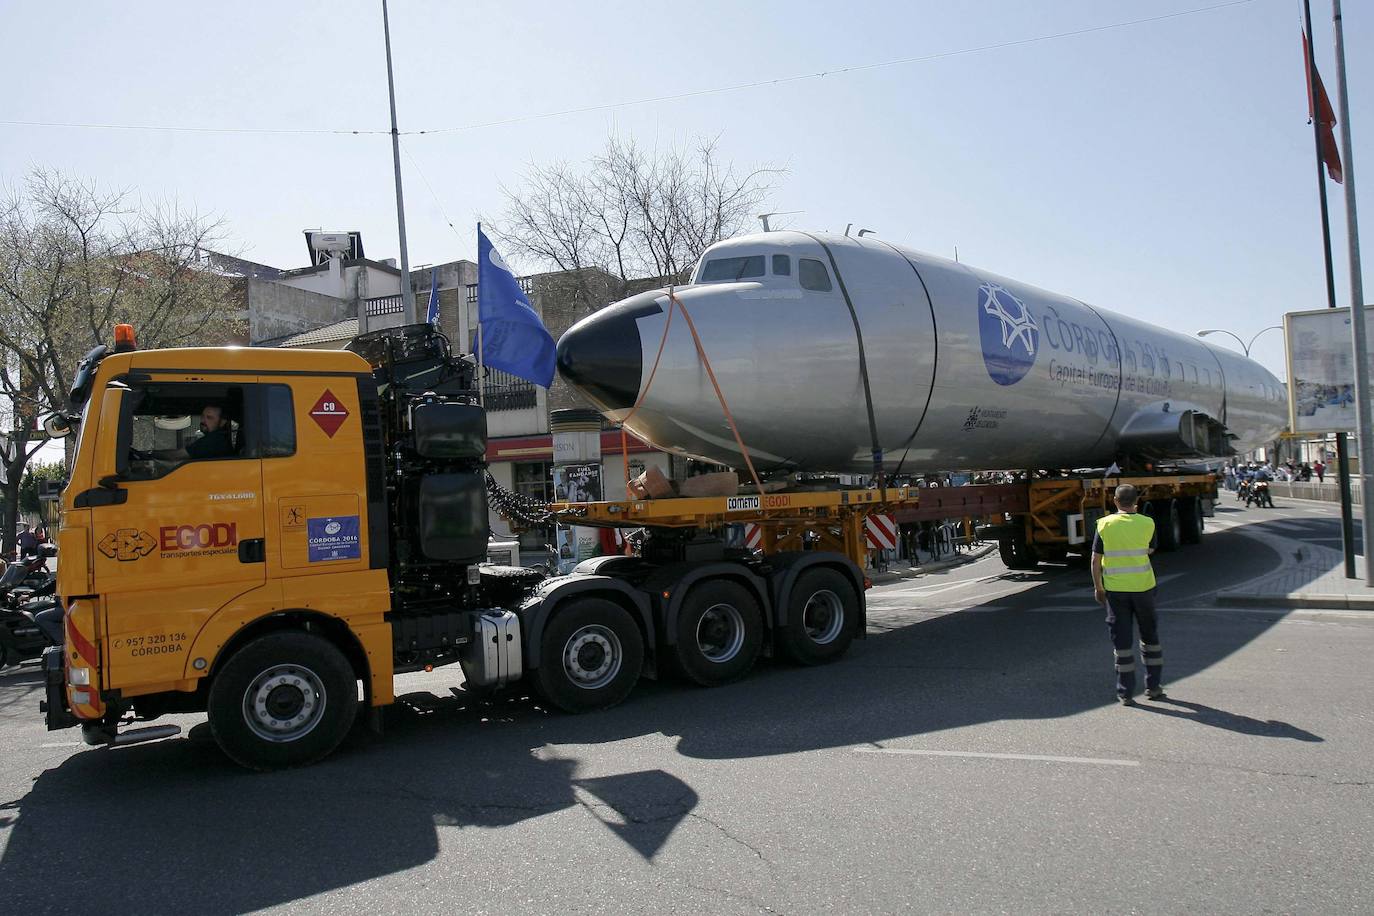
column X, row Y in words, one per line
column 719, row 633
column 590, row 657
column 822, row 617
column 1016, row 553
column 283, row 700
column 1168, row 525
column 1190, row 519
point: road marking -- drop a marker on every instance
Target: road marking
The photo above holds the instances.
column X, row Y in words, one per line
column 1044, row 758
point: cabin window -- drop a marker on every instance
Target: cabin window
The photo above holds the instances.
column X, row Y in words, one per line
column 813, row 275
column 727, row 269
column 782, row 265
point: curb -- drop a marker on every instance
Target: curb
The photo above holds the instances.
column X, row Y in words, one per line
column 1335, row 602
column 916, row 572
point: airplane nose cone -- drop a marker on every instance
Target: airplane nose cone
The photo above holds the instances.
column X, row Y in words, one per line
column 601, row 354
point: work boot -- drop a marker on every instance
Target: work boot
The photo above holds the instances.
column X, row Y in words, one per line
column 1125, row 700
column 1156, row 693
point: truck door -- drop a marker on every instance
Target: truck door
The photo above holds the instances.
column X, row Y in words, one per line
column 182, row 535
column 316, row 494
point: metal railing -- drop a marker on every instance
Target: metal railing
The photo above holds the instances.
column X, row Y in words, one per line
column 503, row 391
column 385, row 305
column 526, row 286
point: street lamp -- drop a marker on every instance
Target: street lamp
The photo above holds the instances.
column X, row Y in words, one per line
column 1243, row 345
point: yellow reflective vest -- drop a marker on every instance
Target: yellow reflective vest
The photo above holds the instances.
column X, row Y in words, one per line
column 1126, row 552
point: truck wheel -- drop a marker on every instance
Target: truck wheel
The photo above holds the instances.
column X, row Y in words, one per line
column 1016, row 553
column 1190, row 518
column 1168, row 525
column 719, row 633
column 822, row 617
column 591, row 656
column 283, row 700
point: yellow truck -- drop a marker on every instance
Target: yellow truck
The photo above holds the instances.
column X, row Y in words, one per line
column 270, row 536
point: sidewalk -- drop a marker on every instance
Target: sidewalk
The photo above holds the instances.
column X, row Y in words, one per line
column 900, row 570
column 1310, row 576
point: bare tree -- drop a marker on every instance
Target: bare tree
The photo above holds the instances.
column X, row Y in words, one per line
column 75, row 261
column 628, row 216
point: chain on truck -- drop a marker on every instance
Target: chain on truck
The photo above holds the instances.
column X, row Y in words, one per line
column 338, row 538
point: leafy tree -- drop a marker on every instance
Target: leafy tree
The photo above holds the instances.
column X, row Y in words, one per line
column 75, row 260
column 28, row 487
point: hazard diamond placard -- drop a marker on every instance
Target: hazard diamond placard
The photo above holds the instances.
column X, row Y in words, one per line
column 329, row 413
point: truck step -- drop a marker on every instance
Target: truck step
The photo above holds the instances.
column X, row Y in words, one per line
column 139, row 735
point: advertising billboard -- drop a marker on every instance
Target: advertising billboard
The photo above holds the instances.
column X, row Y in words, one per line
column 1321, row 370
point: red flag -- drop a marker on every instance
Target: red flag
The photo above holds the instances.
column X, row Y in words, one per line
column 1324, row 115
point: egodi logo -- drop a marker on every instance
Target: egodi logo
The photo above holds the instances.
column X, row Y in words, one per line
column 1008, row 333
column 333, row 528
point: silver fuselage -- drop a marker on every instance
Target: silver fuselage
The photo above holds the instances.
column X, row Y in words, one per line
column 965, row 369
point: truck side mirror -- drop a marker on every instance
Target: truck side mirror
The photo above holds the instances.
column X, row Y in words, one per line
column 57, row 426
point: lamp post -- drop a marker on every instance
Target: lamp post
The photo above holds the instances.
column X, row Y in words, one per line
column 1243, row 345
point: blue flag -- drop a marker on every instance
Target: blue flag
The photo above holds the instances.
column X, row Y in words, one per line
column 513, row 337
column 433, row 316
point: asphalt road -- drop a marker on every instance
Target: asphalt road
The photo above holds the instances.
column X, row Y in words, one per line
column 967, row 756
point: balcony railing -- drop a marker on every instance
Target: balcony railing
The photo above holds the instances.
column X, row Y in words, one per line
column 526, row 286
column 385, row 305
column 503, row 391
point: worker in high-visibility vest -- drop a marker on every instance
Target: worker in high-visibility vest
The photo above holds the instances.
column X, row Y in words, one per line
column 1124, row 581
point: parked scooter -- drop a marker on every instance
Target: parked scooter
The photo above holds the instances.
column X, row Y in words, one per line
column 26, row 590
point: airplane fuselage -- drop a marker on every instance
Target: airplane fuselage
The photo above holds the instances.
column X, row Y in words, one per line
column 964, row 368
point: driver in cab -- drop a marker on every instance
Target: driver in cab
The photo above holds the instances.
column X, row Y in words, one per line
column 214, row 441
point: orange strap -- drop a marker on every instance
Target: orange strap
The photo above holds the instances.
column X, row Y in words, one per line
column 725, row 408
column 624, row 446
column 675, row 303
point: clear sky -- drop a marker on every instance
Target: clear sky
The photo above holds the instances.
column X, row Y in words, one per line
column 1164, row 169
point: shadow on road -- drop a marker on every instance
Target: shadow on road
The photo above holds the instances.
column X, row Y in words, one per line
column 175, row 826
column 1219, row 718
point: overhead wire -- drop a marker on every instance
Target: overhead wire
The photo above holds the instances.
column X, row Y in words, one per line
column 649, row 100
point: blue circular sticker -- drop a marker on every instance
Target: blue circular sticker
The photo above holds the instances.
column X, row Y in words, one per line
column 1008, row 333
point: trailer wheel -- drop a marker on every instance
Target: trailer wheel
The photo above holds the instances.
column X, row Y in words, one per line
column 719, row 633
column 822, row 617
column 283, row 700
column 1016, row 553
column 1168, row 525
column 590, row 657
column 1190, row 518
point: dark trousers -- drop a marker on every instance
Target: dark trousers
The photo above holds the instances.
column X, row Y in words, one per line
column 1125, row 612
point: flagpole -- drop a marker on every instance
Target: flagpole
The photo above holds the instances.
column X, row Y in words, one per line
column 1342, row 450
column 1357, row 313
column 481, row 374
column 407, row 294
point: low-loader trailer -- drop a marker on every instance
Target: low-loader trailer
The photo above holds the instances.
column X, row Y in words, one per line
column 328, row 531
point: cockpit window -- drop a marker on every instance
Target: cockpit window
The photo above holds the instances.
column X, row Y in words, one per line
column 813, row 275
column 733, row 269
column 782, row 265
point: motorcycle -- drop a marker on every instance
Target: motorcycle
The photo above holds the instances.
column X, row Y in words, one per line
column 1243, row 492
column 26, row 590
column 1256, row 493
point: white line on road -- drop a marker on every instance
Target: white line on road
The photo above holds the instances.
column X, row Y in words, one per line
column 1046, row 758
